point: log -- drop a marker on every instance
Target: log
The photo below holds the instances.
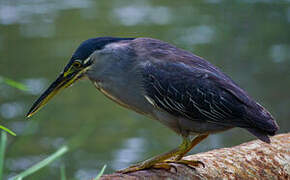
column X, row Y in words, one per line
column 251, row 160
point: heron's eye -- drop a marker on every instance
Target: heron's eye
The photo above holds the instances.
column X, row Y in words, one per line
column 77, row 64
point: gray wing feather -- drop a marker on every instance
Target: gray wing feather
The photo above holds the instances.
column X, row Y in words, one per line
column 192, row 93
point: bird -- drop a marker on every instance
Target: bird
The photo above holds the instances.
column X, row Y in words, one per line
column 179, row 89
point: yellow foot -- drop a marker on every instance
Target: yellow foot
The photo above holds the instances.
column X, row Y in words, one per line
column 132, row 169
column 161, row 165
column 186, row 162
column 140, row 167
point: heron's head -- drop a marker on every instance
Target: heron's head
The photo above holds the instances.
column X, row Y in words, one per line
column 80, row 62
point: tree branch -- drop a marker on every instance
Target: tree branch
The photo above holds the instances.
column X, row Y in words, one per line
column 251, row 160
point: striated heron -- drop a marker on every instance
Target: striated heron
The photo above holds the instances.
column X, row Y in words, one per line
column 179, row 89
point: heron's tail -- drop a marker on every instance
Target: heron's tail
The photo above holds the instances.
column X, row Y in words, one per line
column 262, row 123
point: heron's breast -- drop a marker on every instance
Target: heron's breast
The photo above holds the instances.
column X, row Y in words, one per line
column 115, row 98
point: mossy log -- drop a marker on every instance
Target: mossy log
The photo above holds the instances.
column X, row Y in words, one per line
column 251, row 160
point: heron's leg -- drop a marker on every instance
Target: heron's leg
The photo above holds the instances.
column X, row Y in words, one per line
column 193, row 143
column 161, row 160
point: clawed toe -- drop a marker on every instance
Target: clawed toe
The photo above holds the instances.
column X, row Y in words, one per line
column 162, row 165
column 163, row 162
column 165, row 166
column 131, row 169
column 186, row 162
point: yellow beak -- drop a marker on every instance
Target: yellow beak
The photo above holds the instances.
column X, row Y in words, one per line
column 64, row 80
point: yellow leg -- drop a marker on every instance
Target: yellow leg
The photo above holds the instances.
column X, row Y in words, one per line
column 159, row 161
column 193, row 143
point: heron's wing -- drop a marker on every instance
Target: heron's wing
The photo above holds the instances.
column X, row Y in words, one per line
column 194, row 93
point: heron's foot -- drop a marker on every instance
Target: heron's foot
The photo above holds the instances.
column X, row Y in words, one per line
column 147, row 165
column 163, row 161
column 186, row 162
column 143, row 166
column 167, row 165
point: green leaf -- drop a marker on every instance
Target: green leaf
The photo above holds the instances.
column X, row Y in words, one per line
column 100, row 173
column 13, row 83
column 62, row 172
column 7, row 130
column 2, row 152
column 42, row 163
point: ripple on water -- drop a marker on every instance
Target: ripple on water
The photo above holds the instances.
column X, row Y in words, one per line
column 35, row 86
column 142, row 14
column 131, row 152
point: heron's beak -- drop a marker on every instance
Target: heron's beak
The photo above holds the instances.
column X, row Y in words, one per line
column 64, row 80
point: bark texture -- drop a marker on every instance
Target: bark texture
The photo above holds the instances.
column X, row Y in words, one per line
column 251, row 160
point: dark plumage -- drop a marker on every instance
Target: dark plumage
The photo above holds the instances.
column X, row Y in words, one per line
column 186, row 85
column 205, row 96
column 179, row 89
column 87, row 47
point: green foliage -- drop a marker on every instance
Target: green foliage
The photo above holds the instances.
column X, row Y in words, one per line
column 75, row 142
column 62, row 172
column 35, row 167
column 13, row 83
column 7, row 130
column 2, row 152
column 16, row 85
column 100, row 173
column 42, row 163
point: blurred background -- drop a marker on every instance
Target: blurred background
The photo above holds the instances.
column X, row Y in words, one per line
column 248, row 39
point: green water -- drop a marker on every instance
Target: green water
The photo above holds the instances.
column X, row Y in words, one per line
column 249, row 40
